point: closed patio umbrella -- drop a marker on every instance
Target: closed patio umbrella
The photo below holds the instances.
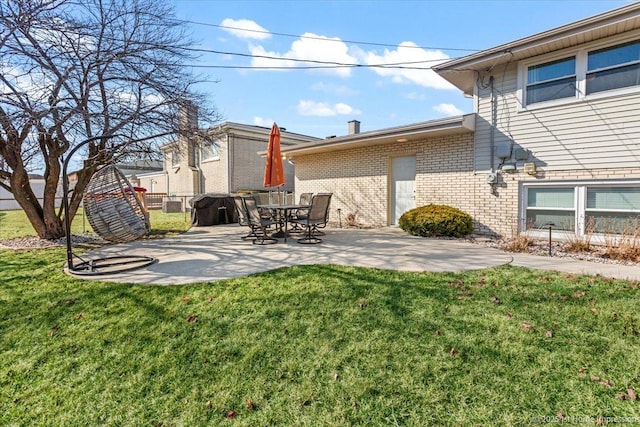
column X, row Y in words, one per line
column 274, row 171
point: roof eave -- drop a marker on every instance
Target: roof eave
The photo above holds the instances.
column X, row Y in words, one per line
column 418, row 131
column 461, row 72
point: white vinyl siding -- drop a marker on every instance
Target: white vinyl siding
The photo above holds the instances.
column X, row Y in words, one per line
column 587, row 134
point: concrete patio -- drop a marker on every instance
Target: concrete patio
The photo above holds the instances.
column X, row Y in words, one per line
column 205, row 254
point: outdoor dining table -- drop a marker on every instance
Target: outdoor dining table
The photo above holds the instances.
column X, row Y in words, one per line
column 282, row 216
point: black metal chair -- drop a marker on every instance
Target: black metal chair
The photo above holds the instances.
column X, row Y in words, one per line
column 305, row 200
column 243, row 217
column 318, row 216
column 258, row 222
column 317, row 229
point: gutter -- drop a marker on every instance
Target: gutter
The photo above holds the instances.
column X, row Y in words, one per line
column 589, row 24
column 458, row 124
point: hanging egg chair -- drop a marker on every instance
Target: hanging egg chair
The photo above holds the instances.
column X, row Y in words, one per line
column 113, row 208
column 115, row 213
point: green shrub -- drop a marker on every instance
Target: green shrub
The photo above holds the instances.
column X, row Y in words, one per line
column 436, row 220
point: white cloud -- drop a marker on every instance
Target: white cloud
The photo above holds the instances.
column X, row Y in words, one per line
column 261, row 121
column 310, row 47
column 265, row 59
column 409, row 55
column 334, row 89
column 325, row 109
column 448, row 109
column 245, row 29
column 415, row 96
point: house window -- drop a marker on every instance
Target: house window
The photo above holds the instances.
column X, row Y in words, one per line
column 588, row 72
column 613, row 68
column 551, row 206
column 552, row 80
column 612, row 210
column 175, row 158
column 211, row 150
column 583, row 208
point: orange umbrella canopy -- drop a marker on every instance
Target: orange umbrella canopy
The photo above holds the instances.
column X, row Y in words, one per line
column 274, row 172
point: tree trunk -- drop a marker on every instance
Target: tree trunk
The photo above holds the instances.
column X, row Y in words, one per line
column 47, row 227
column 53, row 221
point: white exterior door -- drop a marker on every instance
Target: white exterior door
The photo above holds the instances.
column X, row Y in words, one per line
column 403, row 181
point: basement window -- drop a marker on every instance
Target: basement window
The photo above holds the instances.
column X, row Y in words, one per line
column 595, row 208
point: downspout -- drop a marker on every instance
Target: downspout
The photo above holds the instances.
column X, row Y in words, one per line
column 167, row 187
column 494, row 123
column 230, row 162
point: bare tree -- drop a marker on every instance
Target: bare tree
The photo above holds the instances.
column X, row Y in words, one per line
column 76, row 69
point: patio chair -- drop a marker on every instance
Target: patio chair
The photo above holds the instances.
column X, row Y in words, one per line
column 305, row 199
column 258, row 222
column 317, row 229
column 317, row 216
column 243, row 217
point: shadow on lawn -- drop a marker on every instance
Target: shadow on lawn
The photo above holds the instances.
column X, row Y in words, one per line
column 361, row 285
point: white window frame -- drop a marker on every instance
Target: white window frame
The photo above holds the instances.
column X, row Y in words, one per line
column 580, row 206
column 581, row 56
column 568, row 98
column 576, row 196
column 217, row 143
column 175, row 158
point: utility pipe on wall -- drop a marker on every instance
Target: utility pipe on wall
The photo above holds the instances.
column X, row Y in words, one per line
column 494, row 123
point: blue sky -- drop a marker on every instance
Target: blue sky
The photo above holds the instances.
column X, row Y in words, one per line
column 320, row 102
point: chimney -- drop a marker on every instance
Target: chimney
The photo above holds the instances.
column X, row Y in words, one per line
column 187, row 129
column 188, row 116
column 354, row 127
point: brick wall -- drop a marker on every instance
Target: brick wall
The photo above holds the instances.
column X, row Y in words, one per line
column 214, row 173
column 499, row 213
column 359, row 179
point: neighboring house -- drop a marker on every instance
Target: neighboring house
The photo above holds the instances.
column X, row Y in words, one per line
column 139, row 167
column 554, row 138
column 8, row 202
column 228, row 162
column 131, row 169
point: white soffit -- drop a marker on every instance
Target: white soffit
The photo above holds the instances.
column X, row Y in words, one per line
column 461, row 72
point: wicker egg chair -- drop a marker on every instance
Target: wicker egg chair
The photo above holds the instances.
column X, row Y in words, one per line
column 112, row 207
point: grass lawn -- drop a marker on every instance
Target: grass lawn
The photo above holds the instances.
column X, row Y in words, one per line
column 316, row 345
column 14, row 224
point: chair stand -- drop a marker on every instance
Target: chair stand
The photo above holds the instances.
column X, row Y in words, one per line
column 265, row 240
column 310, row 241
column 253, row 234
column 309, row 238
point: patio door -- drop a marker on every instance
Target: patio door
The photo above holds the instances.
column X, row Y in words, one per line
column 403, row 181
